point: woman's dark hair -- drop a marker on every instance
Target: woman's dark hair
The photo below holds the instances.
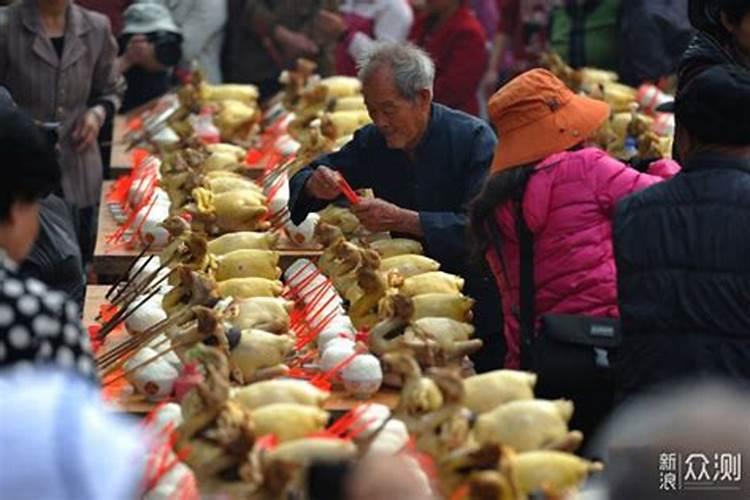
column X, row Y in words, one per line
column 735, row 10
column 28, row 164
column 498, row 189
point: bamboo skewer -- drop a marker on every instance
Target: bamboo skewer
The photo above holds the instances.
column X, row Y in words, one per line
column 128, row 293
column 113, row 369
column 126, row 310
column 135, row 343
column 124, row 276
column 122, row 315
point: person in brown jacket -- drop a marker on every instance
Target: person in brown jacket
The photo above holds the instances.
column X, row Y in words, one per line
column 264, row 37
column 58, row 61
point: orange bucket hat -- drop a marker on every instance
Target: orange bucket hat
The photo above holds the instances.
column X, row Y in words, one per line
column 536, row 115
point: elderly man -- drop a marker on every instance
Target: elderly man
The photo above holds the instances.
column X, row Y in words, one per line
column 424, row 161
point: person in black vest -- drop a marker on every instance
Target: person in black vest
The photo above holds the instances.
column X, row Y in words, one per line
column 723, row 37
column 682, row 247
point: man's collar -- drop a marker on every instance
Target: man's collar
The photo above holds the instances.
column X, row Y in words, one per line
column 435, row 113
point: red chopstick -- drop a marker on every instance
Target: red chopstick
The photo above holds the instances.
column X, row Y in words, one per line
column 347, row 191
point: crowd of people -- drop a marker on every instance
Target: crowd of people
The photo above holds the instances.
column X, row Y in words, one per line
column 611, row 282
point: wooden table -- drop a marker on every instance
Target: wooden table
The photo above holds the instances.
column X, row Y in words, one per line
column 111, row 262
column 123, row 400
column 119, row 158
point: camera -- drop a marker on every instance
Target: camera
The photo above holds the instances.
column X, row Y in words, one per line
column 167, row 46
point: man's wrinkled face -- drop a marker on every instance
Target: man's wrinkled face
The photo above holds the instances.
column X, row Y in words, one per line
column 401, row 121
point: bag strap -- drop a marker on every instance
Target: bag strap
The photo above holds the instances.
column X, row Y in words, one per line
column 527, row 313
column 494, row 234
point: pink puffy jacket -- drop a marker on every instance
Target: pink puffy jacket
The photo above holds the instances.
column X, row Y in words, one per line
column 569, row 204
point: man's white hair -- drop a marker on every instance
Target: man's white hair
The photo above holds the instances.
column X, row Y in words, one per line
column 413, row 70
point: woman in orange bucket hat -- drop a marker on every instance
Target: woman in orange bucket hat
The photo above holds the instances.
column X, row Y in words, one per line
column 565, row 191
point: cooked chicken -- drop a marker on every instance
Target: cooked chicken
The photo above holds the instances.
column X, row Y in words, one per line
column 289, row 421
column 218, row 185
column 260, row 355
column 391, row 247
column 236, row 151
column 248, row 264
column 442, row 305
column 242, row 240
column 245, row 288
column 340, row 217
column 342, row 86
column 419, row 394
column 309, row 450
column 554, row 472
column 441, row 341
column 219, row 161
column 234, row 116
column 238, row 92
column 263, row 313
column 527, row 425
column 231, row 210
column 409, row 265
column 487, row 391
column 363, row 311
column 280, row 391
column 345, row 123
column 353, row 103
column 432, row 282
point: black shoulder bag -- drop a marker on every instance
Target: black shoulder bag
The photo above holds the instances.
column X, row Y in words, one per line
column 570, row 353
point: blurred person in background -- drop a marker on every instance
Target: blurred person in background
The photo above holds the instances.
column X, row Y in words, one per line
column 55, row 258
column 58, row 440
column 723, row 37
column 682, row 258
column 547, row 210
column 585, row 33
column 651, row 444
column 37, row 325
column 522, row 32
column 201, row 23
column 150, row 49
column 653, row 36
column 265, row 37
column 367, row 22
column 452, row 36
column 58, row 61
column 113, row 9
column 488, row 14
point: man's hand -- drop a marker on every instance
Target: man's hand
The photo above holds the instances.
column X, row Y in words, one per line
column 323, row 184
column 378, row 215
column 87, row 128
column 140, row 52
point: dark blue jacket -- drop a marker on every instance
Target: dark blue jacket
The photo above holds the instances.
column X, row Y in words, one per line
column 683, row 262
column 451, row 164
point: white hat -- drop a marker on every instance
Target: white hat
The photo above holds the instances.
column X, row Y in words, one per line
column 57, row 440
column 147, row 17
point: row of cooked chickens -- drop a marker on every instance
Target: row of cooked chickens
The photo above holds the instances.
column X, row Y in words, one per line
column 372, row 303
